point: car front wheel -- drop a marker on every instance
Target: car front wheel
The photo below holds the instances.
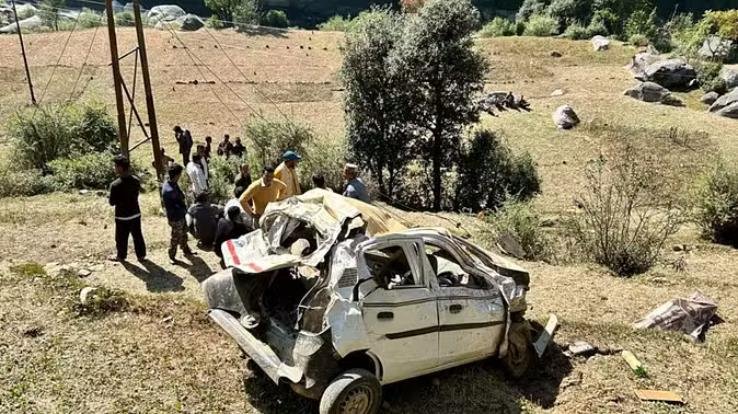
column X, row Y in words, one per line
column 356, row 391
column 520, row 355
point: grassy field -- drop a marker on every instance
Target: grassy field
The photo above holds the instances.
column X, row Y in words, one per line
column 160, row 354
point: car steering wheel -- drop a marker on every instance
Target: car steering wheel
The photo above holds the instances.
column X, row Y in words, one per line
column 446, row 279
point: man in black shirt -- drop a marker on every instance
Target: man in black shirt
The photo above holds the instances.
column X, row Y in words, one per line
column 238, row 149
column 124, row 193
column 229, row 227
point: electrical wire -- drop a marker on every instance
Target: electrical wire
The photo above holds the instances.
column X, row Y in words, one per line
column 81, row 69
column 53, row 71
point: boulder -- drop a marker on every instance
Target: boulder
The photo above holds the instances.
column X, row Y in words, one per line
column 652, row 92
column 724, row 101
column 600, row 43
column 165, row 13
column 641, row 61
column 565, row 118
column 31, row 23
column 730, row 76
column 189, row 23
column 709, row 98
column 730, row 111
column 714, row 47
column 670, row 73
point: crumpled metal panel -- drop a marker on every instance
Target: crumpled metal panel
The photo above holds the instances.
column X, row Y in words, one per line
column 689, row 315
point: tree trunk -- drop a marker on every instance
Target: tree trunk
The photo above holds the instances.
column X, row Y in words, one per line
column 437, row 155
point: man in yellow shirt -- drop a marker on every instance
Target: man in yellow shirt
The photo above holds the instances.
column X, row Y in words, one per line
column 262, row 192
column 288, row 175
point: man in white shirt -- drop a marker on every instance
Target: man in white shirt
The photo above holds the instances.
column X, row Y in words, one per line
column 197, row 175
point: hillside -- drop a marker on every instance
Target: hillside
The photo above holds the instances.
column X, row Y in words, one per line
column 164, row 356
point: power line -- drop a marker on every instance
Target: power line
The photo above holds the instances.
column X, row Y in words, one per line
column 87, row 56
column 53, row 71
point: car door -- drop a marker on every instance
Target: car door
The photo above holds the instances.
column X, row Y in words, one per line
column 401, row 319
column 471, row 311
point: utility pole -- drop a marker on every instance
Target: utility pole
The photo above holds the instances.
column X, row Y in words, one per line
column 153, row 127
column 117, row 79
column 23, row 51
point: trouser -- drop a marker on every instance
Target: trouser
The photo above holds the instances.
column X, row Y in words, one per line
column 179, row 237
column 186, row 157
column 122, row 229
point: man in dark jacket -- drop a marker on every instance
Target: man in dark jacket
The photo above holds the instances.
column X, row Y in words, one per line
column 184, row 140
column 124, row 193
column 176, row 207
column 202, row 220
column 229, row 227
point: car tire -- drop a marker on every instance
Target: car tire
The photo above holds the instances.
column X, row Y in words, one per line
column 520, row 355
column 356, row 391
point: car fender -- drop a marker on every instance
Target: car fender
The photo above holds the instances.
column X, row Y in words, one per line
column 347, row 327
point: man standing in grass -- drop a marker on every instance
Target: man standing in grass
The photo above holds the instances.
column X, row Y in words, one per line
column 287, row 173
column 184, row 140
column 262, row 192
column 176, row 207
column 124, row 193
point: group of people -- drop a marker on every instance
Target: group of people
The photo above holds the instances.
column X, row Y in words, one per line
column 210, row 224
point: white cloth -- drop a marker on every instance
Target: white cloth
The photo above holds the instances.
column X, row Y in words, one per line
column 197, row 177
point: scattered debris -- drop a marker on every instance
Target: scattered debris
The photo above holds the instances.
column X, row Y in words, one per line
column 600, row 43
column 509, row 245
column 662, row 396
column 86, row 295
column 83, row 273
column 635, row 364
column 32, row 331
column 542, row 342
column 585, row 349
column 558, row 92
column 565, row 118
column 168, row 319
column 502, row 101
column 692, row 316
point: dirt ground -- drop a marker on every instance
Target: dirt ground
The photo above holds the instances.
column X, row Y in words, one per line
column 165, row 356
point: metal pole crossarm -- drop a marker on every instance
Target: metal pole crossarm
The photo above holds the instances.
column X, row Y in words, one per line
column 117, row 79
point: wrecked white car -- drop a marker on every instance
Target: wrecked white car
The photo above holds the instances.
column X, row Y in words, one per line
column 335, row 298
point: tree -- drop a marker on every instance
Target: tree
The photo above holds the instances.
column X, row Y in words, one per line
column 49, row 12
column 378, row 117
column 240, row 11
column 437, row 51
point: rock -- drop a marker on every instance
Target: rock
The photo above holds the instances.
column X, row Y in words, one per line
column 31, row 23
column 714, row 47
column 168, row 319
column 709, row 98
column 117, row 6
column 671, row 74
column 86, row 295
column 189, row 23
column 730, row 111
column 725, row 101
column 641, row 61
column 555, row 54
column 83, row 192
column 730, row 76
column 582, row 348
column 83, row 272
column 600, row 43
column 32, row 331
column 565, row 118
column 557, row 92
column 652, row 92
column 165, row 13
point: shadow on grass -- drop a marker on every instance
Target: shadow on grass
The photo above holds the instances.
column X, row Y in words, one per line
column 269, row 398
column 263, row 31
column 157, row 278
column 199, row 269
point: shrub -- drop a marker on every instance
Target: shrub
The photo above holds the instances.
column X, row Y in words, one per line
column 275, row 18
column 24, row 183
column 597, row 28
column 245, row 14
column 715, row 198
column 607, row 19
column 641, row 22
column 723, row 23
column 222, row 176
column 268, row 139
column 541, row 25
column 213, row 22
column 521, row 222
column 48, row 132
column 570, row 10
column 625, row 216
column 499, row 26
column 89, row 18
column 327, row 157
column 576, row 31
column 708, row 74
column 530, row 8
column 638, row 40
column 489, row 174
column 124, row 18
column 93, row 170
column 336, row 23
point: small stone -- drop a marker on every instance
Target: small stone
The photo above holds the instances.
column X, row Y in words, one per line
column 556, row 54
column 83, row 273
column 168, row 319
column 33, row 331
column 678, row 247
column 86, row 294
column 557, row 92
column 83, row 192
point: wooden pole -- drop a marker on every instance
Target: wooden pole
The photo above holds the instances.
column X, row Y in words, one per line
column 153, row 127
column 23, row 52
column 117, row 79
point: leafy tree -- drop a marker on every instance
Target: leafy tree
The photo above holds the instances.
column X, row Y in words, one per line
column 246, row 13
column 530, row 8
column 377, row 97
column 240, row 11
column 49, row 12
column 437, row 49
column 275, row 18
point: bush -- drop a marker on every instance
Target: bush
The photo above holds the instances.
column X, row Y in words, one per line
column 223, row 173
column 489, row 174
column 576, row 31
column 327, row 157
column 521, row 222
column 530, row 8
column 570, row 10
column 715, row 199
column 336, row 23
column 89, row 18
column 499, row 26
column 626, row 216
column 93, row 171
column 607, row 19
column 275, row 18
column 708, row 74
column 245, row 14
column 268, row 139
column 542, row 26
column 641, row 22
column 24, row 183
column 48, row 132
column 213, row 22
column 638, row 40
column 124, row 18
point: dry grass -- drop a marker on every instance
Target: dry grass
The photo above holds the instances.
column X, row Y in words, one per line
column 134, row 361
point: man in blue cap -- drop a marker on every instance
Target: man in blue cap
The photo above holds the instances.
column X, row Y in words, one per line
column 286, row 173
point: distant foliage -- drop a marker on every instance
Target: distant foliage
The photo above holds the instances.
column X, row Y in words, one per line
column 223, row 173
column 520, row 221
column 225, row 10
column 715, row 201
column 531, row 8
column 269, row 138
column 89, row 18
column 541, row 25
column 124, row 18
column 49, row 12
column 723, row 23
column 245, row 14
column 214, row 23
column 576, row 31
column 489, row 174
column 93, row 170
column 275, row 18
column 497, row 27
column 336, row 23
column 16, row 183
